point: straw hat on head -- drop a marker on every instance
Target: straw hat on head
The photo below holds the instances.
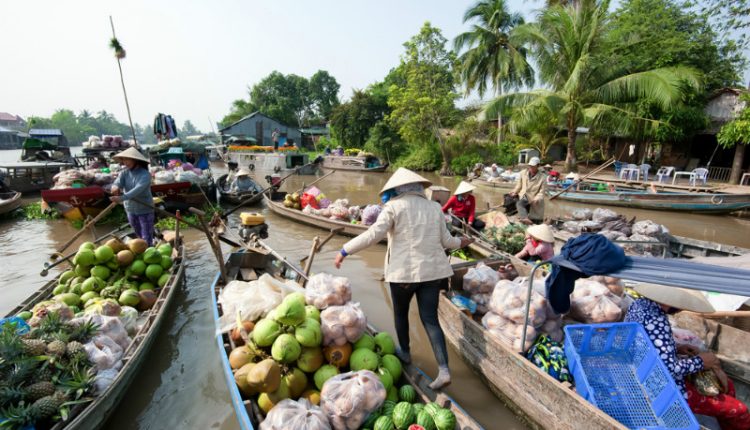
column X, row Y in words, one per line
column 573, row 176
column 541, row 232
column 679, row 298
column 534, row 161
column 131, row 153
column 404, row 176
column 464, row 187
column 242, row 172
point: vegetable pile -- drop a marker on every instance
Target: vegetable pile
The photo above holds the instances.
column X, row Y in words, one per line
column 510, row 239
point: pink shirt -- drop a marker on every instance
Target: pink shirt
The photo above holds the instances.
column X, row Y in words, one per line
column 543, row 250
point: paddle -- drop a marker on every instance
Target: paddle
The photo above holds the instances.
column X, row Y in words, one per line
column 213, row 242
column 333, row 232
column 316, row 181
column 310, row 258
column 47, row 265
column 78, row 234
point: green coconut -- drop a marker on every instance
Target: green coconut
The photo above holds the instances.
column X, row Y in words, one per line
column 129, row 298
column 146, row 286
column 291, row 311
column 88, row 246
column 285, row 349
column 393, row 364
column 385, row 377
column 85, row 257
column 163, row 279
column 309, row 333
column 154, row 271
column 265, row 376
column 166, row 262
column 165, row 249
column 297, row 382
column 265, row 332
column 152, row 256
column 138, row 267
column 104, row 253
column 310, row 359
column 312, row 312
column 82, row 271
column 384, row 344
column 323, row 374
column 366, row 341
column 363, row 359
column 60, row 289
column 101, row 272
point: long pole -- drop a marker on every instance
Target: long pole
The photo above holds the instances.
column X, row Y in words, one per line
column 593, row 172
column 122, row 80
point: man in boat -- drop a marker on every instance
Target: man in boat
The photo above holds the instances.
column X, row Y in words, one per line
column 530, row 192
column 134, row 182
column 416, row 263
column 651, row 312
column 242, row 182
column 463, row 206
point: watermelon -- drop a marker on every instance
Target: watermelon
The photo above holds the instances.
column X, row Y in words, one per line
column 392, row 394
column 416, row 427
column 387, row 408
column 403, row 415
column 425, row 420
column 370, row 421
column 383, row 423
column 432, row 408
column 444, row 420
column 418, row 407
column 407, row 393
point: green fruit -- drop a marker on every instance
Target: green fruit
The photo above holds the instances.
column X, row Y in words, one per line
column 60, row 289
column 387, row 408
column 154, row 271
column 66, row 276
column 69, row 299
column 165, row 249
column 444, row 419
column 432, row 408
column 403, row 415
column 146, row 286
column 384, row 344
column 407, row 393
column 323, row 374
column 309, row 333
column 25, row 315
column 285, row 349
column 363, row 359
column 75, row 309
column 310, row 359
column 291, row 311
column 88, row 296
column 266, row 400
column 393, row 364
column 366, row 341
column 88, row 285
column 418, row 407
column 85, row 257
column 129, row 298
column 152, row 256
column 76, row 289
column 385, row 377
column 383, row 423
column 392, row 394
column 104, row 253
column 265, row 332
column 87, row 245
column 166, row 262
column 312, row 312
column 297, row 382
column 112, row 265
column 163, row 279
column 370, row 421
column 101, row 272
column 425, row 420
column 82, row 271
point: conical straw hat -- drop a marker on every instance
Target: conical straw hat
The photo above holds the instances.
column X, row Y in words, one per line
column 131, row 153
column 679, row 298
column 404, row 176
column 541, row 232
column 243, row 172
column 464, row 187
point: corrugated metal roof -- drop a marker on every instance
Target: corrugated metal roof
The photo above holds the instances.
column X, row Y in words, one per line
column 45, row 132
column 252, row 115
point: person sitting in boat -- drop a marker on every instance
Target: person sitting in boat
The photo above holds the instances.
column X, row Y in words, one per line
column 463, row 205
column 134, row 182
column 530, row 190
column 415, row 263
column 539, row 244
column 99, row 163
column 339, row 151
column 571, row 181
column 651, row 310
column 493, row 173
column 242, row 182
column 327, row 151
column 476, row 172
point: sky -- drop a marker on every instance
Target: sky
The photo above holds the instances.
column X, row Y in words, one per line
column 192, row 58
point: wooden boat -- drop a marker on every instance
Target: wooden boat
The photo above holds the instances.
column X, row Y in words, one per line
column 365, row 163
column 31, row 176
column 234, row 197
column 275, row 205
column 500, row 185
column 681, row 202
column 9, row 202
column 645, row 185
column 284, row 161
column 76, row 203
column 246, row 265
column 94, row 414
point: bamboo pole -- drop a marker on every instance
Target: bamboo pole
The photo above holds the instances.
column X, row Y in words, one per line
column 591, row 173
column 85, row 228
column 122, row 80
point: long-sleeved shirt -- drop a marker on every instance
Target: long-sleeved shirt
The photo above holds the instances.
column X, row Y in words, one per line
column 529, row 186
column 463, row 209
column 543, row 250
column 135, row 184
column 654, row 320
column 243, row 183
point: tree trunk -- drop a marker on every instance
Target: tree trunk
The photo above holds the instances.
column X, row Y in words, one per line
column 445, row 169
column 570, row 158
column 739, row 158
column 498, row 93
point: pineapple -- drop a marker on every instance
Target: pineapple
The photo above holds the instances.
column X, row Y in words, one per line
column 84, row 331
column 18, row 416
column 34, row 347
column 74, row 348
column 39, row 390
column 43, row 374
column 10, row 395
column 47, row 406
column 56, row 348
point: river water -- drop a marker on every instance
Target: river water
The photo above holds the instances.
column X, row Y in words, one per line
column 181, row 383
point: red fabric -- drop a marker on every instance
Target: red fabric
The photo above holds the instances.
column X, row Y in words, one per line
column 308, row 199
column 731, row 413
column 464, row 209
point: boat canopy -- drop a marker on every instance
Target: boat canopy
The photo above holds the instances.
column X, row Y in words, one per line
column 33, row 143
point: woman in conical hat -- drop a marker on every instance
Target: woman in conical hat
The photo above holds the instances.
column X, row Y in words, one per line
column 134, row 182
column 539, row 243
column 415, row 263
column 463, row 206
column 242, row 181
column 651, row 310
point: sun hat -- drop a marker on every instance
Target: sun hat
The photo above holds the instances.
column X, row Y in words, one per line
column 573, row 176
column 464, row 187
column 534, row 161
column 131, row 153
column 242, row 172
column 404, row 176
column 541, row 232
column 679, row 298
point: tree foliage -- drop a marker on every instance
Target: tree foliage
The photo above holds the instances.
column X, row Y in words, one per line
column 351, row 121
column 731, row 16
column 737, row 131
column 78, row 128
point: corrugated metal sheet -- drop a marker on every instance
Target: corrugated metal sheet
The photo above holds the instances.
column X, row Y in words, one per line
column 43, row 132
column 248, row 127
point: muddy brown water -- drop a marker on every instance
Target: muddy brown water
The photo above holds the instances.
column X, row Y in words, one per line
column 181, row 383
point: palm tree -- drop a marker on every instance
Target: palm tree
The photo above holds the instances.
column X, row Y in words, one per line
column 493, row 57
column 536, row 129
column 582, row 87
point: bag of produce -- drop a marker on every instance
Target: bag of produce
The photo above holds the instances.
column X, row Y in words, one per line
column 129, row 318
column 104, row 379
column 308, row 200
column 604, row 215
column 103, row 352
column 370, row 214
column 582, row 214
column 592, row 302
column 480, row 279
column 289, row 414
column 344, row 203
column 347, row 399
column 253, row 299
column 324, row 290
column 324, row 203
column 164, row 177
column 342, row 324
column 482, row 301
column 313, row 191
column 509, row 332
column 643, row 248
column 647, row 228
column 509, row 301
column 572, row 226
column 354, row 213
column 339, row 213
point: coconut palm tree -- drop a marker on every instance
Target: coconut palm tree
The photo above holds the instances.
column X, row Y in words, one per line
column 492, row 57
column 581, row 86
column 536, row 129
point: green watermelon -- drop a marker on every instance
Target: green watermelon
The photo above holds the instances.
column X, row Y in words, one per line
column 425, row 420
column 392, row 394
column 383, row 423
column 432, row 408
column 418, row 407
column 444, row 420
column 403, row 415
column 370, row 421
column 407, row 393
column 387, row 408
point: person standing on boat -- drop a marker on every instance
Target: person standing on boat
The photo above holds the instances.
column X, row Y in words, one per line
column 539, row 243
column 651, row 310
column 530, row 192
column 134, row 182
column 463, row 206
column 242, row 181
column 275, row 139
column 415, row 263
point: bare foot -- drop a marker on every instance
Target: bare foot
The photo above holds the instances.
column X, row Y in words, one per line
column 443, row 379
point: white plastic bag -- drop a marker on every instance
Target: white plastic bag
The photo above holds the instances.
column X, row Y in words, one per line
column 164, row 177
column 480, row 279
column 253, row 299
column 509, row 301
column 295, row 415
column 104, row 379
column 323, row 290
column 129, row 318
column 592, row 302
column 347, row 399
column 509, row 332
column 342, row 324
column 604, row 215
column 582, row 214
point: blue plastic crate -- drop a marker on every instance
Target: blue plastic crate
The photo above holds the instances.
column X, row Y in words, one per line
column 616, row 368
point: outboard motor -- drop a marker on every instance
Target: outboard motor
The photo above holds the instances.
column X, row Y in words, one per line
column 274, row 181
column 253, row 223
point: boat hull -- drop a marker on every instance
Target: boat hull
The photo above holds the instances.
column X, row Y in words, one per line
column 10, row 202
column 681, row 202
column 235, row 198
column 76, row 203
column 355, row 164
column 501, row 185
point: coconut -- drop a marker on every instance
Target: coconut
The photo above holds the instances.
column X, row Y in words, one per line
column 104, row 253
column 285, row 349
column 239, row 357
column 323, row 374
column 125, row 257
column 85, row 257
column 163, row 279
column 310, row 359
column 266, row 401
column 311, row 312
column 166, row 262
column 308, row 333
column 69, row 299
column 87, row 245
column 129, row 298
column 146, row 286
column 147, row 301
column 366, row 341
column 154, row 271
column 137, row 246
column 393, row 364
column 89, row 285
column 291, row 311
column 240, row 377
column 313, row 396
column 138, row 267
column 151, row 256
column 236, row 334
column 338, row 355
column 265, row 376
column 363, row 359
column 265, row 332
column 384, row 343
column 116, row 245
column 165, row 249
column 101, row 272
column 297, row 382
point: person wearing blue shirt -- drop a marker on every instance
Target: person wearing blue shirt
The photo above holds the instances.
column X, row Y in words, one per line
column 134, row 183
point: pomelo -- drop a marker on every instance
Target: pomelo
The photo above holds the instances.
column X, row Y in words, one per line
column 104, row 253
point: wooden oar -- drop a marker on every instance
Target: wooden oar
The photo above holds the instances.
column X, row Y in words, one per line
column 213, row 242
column 310, row 259
column 316, row 181
column 333, row 232
column 78, row 234
column 591, row 173
column 47, row 265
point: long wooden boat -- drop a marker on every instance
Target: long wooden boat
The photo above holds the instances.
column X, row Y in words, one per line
column 31, row 176
column 276, row 206
column 365, row 163
column 9, row 202
column 76, row 203
column 247, row 264
column 681, row 202
column 94, row 414
column 645, row 185
column 502, row 185
column 234, row 197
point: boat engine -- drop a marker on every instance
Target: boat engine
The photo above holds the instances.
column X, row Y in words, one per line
column 253, row 223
